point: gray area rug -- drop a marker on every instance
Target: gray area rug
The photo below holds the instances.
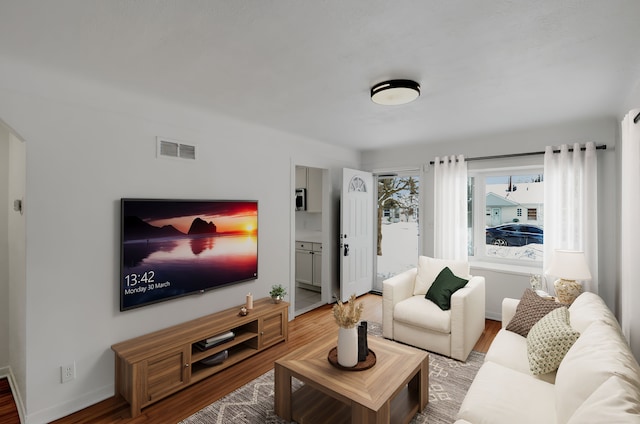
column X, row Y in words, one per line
column 252, row 403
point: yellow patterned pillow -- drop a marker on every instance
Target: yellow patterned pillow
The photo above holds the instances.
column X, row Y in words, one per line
column 549, row 341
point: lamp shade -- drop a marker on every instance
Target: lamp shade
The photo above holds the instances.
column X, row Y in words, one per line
column 569, row 265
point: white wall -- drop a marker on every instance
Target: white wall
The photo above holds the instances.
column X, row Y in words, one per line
column 90, row 145
column 12, row 260
column 632, row 100
column 17, row 272
column 507, row 283
column 4, row 245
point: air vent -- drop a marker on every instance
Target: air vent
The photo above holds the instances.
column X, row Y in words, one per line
column 175, row 149
column 187, row 152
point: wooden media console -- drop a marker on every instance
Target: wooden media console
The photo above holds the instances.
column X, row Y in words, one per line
column 155, row 365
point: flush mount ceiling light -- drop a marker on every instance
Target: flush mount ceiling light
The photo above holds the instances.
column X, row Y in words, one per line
column 395, row 92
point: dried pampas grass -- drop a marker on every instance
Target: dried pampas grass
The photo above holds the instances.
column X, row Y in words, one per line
column 347, row 315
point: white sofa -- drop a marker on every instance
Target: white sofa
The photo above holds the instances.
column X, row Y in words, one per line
column 408, row 317
column 597, row 381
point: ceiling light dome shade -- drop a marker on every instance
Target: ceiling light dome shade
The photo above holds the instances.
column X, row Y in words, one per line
column 395, row 92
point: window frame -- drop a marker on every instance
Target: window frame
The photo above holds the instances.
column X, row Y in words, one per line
column 479, row 210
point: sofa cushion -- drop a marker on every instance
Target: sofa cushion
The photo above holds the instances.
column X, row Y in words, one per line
column 616, row 401
column 510, row 350
column 549, row 341
column 500, row 395
column 429, row 268
column 423, row 313
column 443, row 287
column 599, row 353
column 587, row 308
column 529, row 311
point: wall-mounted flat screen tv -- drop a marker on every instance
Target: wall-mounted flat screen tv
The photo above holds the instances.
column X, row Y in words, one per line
column 173, row 248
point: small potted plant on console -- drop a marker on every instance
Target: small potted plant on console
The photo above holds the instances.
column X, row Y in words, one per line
column 277, row 293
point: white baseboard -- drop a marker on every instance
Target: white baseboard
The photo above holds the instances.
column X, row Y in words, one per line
column 6, row 372
column 496, row 316
column 67, row 408
column 57, row 411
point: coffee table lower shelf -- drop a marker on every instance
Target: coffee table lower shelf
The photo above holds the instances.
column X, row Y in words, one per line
column 311, row 406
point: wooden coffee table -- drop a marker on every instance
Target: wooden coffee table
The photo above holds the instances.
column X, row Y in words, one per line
column 392, row 391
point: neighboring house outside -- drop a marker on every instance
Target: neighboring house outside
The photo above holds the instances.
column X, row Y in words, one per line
column 500, row 210
column 391, row 214
column 394, row 214
column 524, row 204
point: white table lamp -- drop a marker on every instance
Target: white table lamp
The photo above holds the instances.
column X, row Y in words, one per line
column 569, row 265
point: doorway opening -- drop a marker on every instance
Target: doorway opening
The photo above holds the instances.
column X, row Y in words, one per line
column 310, row 277
column 398, row 229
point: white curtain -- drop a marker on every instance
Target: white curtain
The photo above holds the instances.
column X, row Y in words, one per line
column 630, row 231
column 450, row 203
column 571, row 205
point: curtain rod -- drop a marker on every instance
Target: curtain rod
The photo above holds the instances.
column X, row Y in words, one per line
column 514, row 155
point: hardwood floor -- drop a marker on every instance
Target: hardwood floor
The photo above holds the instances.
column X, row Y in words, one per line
column 304, row 329
column 8, row 409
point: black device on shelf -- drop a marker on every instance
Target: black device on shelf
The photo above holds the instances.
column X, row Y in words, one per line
column 216, row 358
column 215, row 340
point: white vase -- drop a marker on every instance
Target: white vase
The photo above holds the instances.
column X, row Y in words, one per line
column 348, row 347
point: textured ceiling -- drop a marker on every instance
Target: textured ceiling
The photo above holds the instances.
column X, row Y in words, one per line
column 306, row 67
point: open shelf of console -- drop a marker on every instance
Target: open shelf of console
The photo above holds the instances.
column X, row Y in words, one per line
column 155, row 365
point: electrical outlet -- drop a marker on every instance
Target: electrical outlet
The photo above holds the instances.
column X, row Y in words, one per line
column 67, row 372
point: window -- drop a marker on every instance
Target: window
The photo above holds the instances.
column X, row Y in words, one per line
column 498, row 229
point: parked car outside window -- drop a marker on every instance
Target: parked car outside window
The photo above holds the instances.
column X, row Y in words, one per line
column 514, row 235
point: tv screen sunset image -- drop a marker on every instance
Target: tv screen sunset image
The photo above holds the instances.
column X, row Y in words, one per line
column 172, row 248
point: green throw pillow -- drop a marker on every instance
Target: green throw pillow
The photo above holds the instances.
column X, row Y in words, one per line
column 549, row 341
column 445, row 284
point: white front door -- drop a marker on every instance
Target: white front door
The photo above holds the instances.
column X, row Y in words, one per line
column 356, row 233
column 496, row 216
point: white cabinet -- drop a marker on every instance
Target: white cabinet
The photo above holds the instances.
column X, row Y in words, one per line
column 301, row 177
column 317, row 266
column 311, row 179
column 309, row 264
column 304, row 263
column 314, row 190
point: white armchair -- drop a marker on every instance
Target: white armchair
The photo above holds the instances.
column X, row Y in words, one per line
column 408, row 317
